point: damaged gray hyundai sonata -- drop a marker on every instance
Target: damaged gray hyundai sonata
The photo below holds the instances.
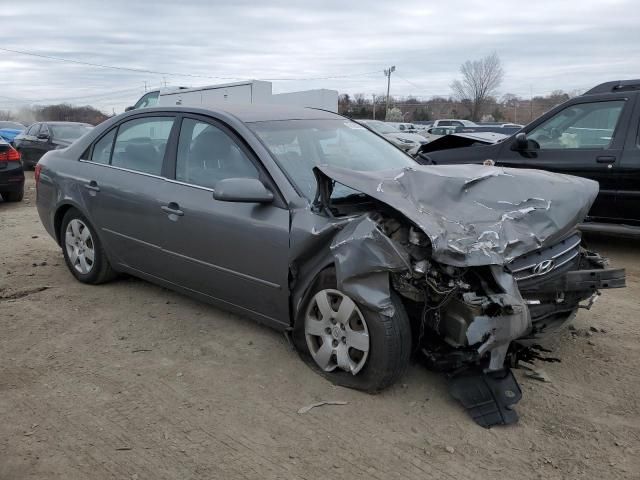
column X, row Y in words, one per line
column 309, row 222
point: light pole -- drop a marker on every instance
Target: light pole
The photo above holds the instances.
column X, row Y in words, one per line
column 388, row 73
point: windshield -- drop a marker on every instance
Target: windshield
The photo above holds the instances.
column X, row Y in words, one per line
column 68, row 132
column 300, row 145
column 380, row 127
column 148, row 100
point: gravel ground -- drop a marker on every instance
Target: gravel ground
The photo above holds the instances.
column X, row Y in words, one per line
column 128, row 380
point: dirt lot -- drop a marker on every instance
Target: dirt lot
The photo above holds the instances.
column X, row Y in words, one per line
column 128, row 380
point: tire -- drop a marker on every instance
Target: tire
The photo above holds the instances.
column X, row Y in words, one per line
column 389, row 345
column 94, row 270
column 26, row 165
column 13, row 196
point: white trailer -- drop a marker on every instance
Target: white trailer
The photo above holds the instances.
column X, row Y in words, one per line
column 240, row 93
column 321, row 98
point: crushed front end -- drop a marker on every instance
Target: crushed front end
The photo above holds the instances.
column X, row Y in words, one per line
column 474, row 323
column 487, row 262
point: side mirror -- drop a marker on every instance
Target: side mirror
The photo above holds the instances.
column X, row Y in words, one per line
column 245, row 190
column 43, row 136
column 129, row 108
column 521, row 142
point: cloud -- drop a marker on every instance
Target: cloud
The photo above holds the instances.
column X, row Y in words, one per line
column 544, row 45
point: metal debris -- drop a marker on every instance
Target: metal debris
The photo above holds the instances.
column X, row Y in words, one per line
column 539, row 375
column 320, row 404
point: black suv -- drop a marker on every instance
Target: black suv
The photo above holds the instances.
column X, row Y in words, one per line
column 595, row 135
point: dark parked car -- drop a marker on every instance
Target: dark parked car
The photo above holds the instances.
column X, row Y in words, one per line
column 306, row 221
column 594, row 135
column 11, row 174
column 41, row 137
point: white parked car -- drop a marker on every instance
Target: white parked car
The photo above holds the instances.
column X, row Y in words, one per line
column 436, row 132
column 404, row 127
column 454, row 122
column 409, row 142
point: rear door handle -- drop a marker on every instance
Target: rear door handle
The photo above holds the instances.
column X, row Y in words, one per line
column 92, row 185
column 173, row 208
column 606, row 159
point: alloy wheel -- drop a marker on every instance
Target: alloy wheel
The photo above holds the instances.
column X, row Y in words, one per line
column 80, row 247
column 336, row 332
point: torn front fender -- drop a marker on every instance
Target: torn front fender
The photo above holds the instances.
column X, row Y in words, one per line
column 364, row 256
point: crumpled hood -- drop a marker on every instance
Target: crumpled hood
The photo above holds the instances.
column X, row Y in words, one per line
column 475, row 214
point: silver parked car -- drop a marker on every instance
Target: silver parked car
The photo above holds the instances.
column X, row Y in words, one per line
column 307, row 221
column 405, row 140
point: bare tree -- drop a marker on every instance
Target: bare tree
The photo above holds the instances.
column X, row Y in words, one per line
column 480, row 80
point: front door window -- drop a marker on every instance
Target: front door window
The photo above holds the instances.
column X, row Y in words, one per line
column 580, row 126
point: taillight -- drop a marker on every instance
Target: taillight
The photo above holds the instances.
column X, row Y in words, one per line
column 36, row 173
column 10, row 155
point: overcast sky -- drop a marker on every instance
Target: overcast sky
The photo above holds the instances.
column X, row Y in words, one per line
column 544, row 45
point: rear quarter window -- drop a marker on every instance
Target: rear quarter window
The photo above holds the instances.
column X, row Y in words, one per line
column 102, row 148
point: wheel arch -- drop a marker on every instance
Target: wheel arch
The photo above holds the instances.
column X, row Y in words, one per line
column 306, row 280
column 59, row 214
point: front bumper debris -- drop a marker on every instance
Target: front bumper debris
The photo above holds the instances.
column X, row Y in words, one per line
column 583, row 280
column 489, row 397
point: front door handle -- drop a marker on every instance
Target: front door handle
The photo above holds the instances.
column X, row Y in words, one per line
column 92, row 185
column 173, row 209
column 606, row 159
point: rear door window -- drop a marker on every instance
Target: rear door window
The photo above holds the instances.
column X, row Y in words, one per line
column 141, row 143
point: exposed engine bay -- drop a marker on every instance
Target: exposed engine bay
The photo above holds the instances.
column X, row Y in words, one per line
column 474, row 323
column 478, row 305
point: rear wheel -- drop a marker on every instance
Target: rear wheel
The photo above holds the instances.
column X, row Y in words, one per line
column 349, row 344
column 26, row 165
column 82, row 249
column 13, row 196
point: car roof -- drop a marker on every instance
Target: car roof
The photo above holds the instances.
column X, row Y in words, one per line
column 263, row 113
column 66, row 123
column 253, row 113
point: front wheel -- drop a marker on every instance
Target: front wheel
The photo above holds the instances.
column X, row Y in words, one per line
column 349, row 344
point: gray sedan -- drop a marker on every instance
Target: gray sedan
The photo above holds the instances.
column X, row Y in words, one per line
column 308, row 222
